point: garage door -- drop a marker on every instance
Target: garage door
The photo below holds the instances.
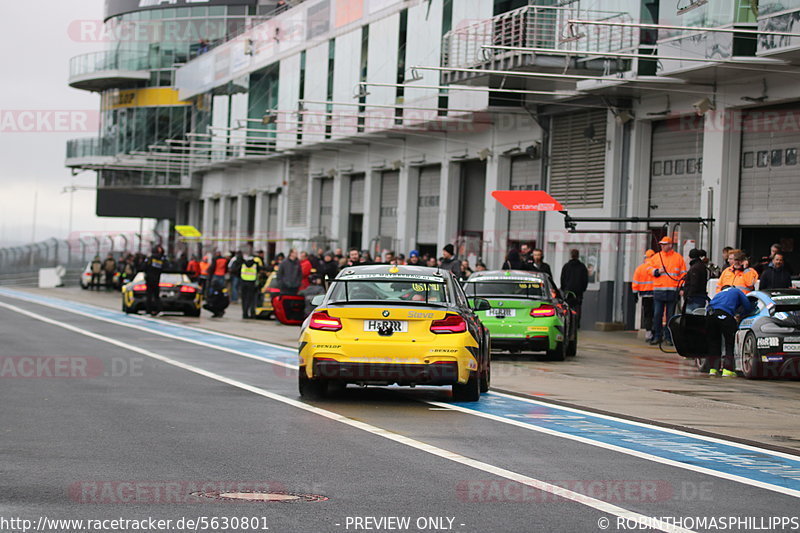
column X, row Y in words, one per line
column 676, row 167
column 578, row 159
column 390, row 187
column 428, row 204
column 525, row 176
column 325, row 206
column 769, row 191
column 272, row 215
column 357, row 194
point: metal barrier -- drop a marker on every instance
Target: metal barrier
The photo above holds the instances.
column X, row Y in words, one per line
column 537, row 27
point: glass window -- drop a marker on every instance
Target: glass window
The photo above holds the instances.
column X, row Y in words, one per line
column 236, row 10
column 199, row 12
column 680, row 166
column 776, row 158
column 389, row 290
column 747, row 159
column 516, row 289
column 183, row 12
column 668, row 168
column 762, row 159
column 691, row 165
column 168, row 13
column 657, row 166
column 791, row 156
column 219, row 11
column 699, row 164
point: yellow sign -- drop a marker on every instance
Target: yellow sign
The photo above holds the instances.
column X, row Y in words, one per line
column 188, row 231
column 538, row 328
column 148, row 97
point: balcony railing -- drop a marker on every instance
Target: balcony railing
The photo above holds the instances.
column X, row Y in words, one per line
column 773, row 19
column 90, row 147
column 96, row 62
column 537, row 27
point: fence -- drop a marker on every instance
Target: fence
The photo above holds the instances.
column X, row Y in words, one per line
column 19, row 265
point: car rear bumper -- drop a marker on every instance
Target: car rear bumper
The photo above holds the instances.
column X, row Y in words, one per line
column 534, row 344
column 439, row 373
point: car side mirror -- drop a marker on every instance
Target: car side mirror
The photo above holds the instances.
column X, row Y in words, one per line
column 317, row 300
column 481, row 304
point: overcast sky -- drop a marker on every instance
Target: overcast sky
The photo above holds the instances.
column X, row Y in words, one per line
column 37, row 40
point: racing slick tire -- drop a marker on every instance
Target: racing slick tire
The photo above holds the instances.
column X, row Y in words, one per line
column 559, row 354
column 486, row 379
column 127, row 310
column 469, row 391
column 572, row 347
column 313, row 389
column 751, row 360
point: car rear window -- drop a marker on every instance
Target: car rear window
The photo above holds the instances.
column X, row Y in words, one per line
column 389, row 290
column 513, row 289
column 786, row 302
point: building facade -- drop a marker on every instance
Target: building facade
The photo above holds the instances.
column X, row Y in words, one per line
column 386, row 125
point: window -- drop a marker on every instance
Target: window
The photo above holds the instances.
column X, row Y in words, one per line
column 762, row 159
column 657, row 168
column 400, row 290
column 691, row 165
column 668, row 168
column 791, row 156
column 680, row 166
column 776, row 158
column 747, row 160
column 532, row 288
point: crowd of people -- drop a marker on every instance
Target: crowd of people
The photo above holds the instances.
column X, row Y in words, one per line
column 664, row 279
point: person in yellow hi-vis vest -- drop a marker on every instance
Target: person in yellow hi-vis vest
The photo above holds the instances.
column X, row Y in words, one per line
column 248, row 275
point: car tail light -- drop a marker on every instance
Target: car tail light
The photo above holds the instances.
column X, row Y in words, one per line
column 449, row 324
column 273, row 290
column 544, row 310
column 166, row 285
column 186, row 288
column 87, row 274
column 140, row 287
column 325, row 322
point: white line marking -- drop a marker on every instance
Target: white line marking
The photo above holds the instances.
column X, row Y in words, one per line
column 164, row 334
column 374, row 430
column 446, row 406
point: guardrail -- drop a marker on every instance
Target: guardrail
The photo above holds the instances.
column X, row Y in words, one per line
column 107, row 60
column 537, row 27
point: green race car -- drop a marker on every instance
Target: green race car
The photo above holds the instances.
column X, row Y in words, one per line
column 528, row 313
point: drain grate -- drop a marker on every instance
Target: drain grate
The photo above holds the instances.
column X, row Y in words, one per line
column 261, row 497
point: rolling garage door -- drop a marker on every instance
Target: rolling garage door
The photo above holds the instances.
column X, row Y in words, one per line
column 525, row 176
column 325, row 206
column 272, row 215
column 578, row 159
column 676, row 167
column 428, row 205
column 390, row 188
column 769, row 191
column 357, row 194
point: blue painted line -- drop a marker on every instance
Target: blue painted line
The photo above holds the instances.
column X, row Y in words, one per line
column 761, row 466
column 263, row 350
column 767, row 467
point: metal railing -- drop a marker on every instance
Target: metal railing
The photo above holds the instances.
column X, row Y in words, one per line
column 107, row 60
column 537, row 27
column 90, row 147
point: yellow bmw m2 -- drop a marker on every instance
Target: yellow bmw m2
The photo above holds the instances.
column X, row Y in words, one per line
column 405, row 325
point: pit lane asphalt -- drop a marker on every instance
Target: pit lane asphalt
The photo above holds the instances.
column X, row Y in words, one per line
column 165, row 423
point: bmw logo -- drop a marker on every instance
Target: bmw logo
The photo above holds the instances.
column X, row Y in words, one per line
column 385, row 314
column 499, row 304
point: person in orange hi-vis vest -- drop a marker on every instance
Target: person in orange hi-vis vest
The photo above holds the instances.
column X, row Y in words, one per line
column 668, row 268
column 642, row 287
column 737, row 275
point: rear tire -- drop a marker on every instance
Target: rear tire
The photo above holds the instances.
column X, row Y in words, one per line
column 559, row 354
column 572, row 347
column 486, row 379
column 751, row 361
column 312, row 389
column 469, row 391
column 194, row 313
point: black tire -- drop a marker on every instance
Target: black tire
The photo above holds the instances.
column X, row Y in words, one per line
column 751, row 360
column 469, row 391
column 312, row 389
column 128, row 310
column 703, row 364
column 193, row 312
column 559, row 354
column 486, row 378
column 572, row 347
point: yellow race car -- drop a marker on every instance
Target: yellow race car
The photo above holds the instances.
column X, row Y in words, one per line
column 385, row 324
